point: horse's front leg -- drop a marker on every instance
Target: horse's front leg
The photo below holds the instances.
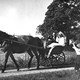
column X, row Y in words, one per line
column 12, row 57
column 37, row 57
column 5, row 62
column 38, row 61
column 31, row 57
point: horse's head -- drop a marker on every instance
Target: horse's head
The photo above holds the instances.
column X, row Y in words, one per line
column 5, row 45
column 1, row 42
column 4, row 36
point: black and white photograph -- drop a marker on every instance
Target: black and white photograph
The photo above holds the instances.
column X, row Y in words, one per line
column 39, row 39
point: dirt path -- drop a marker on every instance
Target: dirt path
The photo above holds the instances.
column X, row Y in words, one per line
column 30, row 71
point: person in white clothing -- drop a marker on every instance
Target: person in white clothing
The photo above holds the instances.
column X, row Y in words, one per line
column 61, row 42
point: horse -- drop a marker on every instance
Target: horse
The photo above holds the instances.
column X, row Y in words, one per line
column 33, row 47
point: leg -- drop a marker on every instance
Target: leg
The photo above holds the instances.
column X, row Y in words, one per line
column 37, row 56
column 50, row 52
column 77, row 62
column 31, row 56
column 6, row 59
column 38, row 61
column 12, row 57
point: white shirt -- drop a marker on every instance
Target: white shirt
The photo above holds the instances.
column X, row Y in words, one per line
column 61, row 41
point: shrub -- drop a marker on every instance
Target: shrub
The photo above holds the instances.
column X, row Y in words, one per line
column 24, row 63
column 21, row 62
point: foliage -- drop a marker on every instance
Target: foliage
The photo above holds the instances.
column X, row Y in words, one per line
column 24, row 63
column 21, row 62
column 62, row 15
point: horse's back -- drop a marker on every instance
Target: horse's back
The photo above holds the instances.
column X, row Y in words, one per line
column 35, row 41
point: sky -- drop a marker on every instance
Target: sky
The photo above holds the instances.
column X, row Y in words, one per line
column 21, row 17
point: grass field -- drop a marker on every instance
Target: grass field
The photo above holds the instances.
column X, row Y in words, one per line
column 60, row 75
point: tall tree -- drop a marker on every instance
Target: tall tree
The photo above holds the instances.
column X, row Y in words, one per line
column 62, row 15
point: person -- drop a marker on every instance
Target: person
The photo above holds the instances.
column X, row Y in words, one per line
column 60, row 42
column 77, row 60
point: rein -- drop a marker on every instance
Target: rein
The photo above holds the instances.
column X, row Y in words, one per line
column 24, row 44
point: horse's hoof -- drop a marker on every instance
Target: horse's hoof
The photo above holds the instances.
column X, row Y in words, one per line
column 38, row 68
column 28, row 67
column 18, row 69
column 2, row 71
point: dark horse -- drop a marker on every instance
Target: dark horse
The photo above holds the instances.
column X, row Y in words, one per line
column 33, row 47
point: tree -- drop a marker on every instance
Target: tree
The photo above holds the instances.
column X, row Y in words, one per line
column 62, row 15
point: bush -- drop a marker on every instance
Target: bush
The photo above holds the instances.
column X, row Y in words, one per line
column 21, row 62
column 24, row 63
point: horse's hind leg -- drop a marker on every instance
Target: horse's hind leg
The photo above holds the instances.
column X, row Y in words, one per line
column 12, row 57
column 5, row 62
column 38, row 60
column 37, row 56
column 31, row 56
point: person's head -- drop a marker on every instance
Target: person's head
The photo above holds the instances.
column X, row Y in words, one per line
column 61, row 35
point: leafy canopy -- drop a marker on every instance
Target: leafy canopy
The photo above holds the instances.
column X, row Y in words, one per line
column 62, row 15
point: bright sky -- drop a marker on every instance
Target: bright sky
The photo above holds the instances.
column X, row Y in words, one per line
column 21, row 17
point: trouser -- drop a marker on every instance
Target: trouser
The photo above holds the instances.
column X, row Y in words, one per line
column 77, row 62
column 50, row 52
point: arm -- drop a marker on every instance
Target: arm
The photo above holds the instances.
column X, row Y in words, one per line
column 53, row 45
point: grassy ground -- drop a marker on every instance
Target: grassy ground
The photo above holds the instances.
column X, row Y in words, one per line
column 61, row 75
